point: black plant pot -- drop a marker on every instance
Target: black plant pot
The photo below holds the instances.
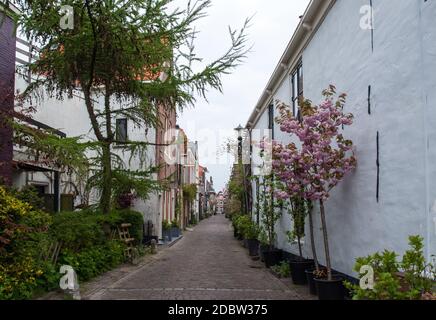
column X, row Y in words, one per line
column 253, row 247
column 262, row 249
column 311, row 281
column 235, row 233
column 330, row 290
column 298, row 268
column 175, row 232
column 245, row 243
column 272, row 257
column 167, row 234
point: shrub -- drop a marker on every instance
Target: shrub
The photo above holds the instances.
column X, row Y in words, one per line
column 408, row 279
column 242, row 224
column 29, row 194
column 283, row 269
column 94, row 261
column 77, row 230
column 137, row 221
column 175, row 224
column 166, row 225
column 251, row 231
column 26, row 236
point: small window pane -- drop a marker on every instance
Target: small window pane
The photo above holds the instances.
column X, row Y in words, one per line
column 121, row 130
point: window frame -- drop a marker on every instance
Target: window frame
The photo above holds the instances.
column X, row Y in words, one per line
column 297, row 84
column 117, row 130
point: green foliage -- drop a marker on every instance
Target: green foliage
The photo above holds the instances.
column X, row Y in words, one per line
column 77, row 230
column 95, row 260
column 269, row 209
column 24, row 271
column 408, row 279
column 68, row 152
column 175, row 224
column 121, row 47
column 190, row 192
column 245, row 227
column 29, row 194
column 283, row 269
column 193, row 221
column 166, row 225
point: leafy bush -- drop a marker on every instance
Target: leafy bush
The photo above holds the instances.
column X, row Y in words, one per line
column 94, row 261
column 408, row 279
column 190, row 192
column 251, row 231
column 77, row 230
column 166, row 225
column 27, row 234
column 29, row 194
column 283, row 269
column 244, row 226
column 175, row 224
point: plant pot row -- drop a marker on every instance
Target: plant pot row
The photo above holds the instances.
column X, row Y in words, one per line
column 171, row 233
column 302, row 272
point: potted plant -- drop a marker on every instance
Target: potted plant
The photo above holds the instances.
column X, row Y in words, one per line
column 298, row 208
column 175, row 229
column 327, row 158
column 166, row 231
column 411, row 278
column 263, row 243
column 251, row 234
column 270, row 216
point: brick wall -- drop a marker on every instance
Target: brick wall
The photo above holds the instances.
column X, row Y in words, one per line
column 7, row 81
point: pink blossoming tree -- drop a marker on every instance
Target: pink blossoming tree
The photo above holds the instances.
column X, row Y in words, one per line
column 323, row 158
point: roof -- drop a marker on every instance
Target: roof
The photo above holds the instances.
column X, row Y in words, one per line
column 309, row 23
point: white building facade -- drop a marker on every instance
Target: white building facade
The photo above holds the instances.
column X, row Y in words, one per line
column 388, row 74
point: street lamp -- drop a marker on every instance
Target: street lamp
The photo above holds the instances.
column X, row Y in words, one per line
column 239, row 129
column 244, row 203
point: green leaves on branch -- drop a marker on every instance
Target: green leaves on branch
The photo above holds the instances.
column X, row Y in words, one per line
column 190, row 192
column 411, row 278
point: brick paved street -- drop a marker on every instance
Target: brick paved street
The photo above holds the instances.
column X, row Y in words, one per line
column 207, row 263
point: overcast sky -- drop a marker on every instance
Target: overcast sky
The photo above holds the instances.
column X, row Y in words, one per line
column 271, row 29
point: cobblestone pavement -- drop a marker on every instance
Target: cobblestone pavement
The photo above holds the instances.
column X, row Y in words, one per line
column 207, row 263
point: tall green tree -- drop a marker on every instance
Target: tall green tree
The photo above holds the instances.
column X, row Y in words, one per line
column 134, row 56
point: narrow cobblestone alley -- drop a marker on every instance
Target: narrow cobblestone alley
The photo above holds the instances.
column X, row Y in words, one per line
column 207, row 263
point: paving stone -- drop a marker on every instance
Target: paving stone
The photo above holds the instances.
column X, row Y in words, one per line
column 207, row 263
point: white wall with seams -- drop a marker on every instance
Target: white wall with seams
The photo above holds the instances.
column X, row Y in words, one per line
column 70, row 116
column 400, row 71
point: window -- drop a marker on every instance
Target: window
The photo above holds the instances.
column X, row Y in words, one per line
column 121, row 130
column 297, row 88
column 271, row 119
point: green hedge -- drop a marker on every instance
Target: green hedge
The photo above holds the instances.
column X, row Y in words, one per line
column 84, row 235
column 94, row 261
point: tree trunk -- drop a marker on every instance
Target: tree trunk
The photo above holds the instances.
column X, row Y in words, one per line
column 300, row 250
column 312, row 241
column 106, row 194
column 326, row 241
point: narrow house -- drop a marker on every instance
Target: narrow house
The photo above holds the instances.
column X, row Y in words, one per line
column 383, row 56
column 69, row 118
